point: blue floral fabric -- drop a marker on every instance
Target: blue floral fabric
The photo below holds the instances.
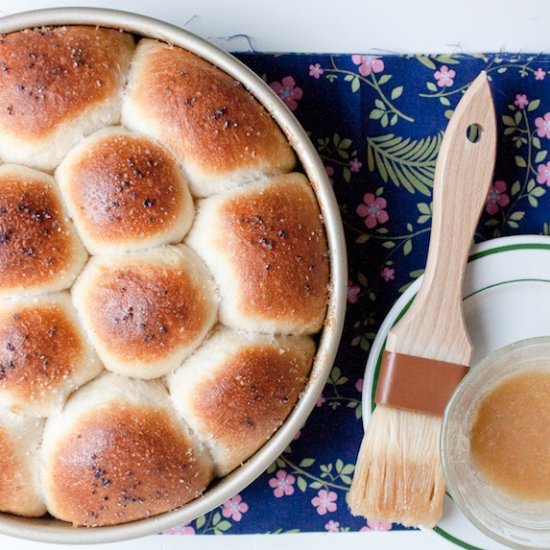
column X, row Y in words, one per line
column 377, row 123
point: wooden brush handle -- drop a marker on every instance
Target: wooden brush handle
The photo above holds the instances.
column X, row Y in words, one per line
column 434, row 325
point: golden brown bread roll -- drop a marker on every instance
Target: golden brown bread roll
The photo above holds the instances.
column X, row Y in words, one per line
column 44, row 354
column 20, row 491
column 39, row 248
column 118, row 453
column 146, row 311
column 265, row 245
column 238, row 388
column 124, row 191
column 57, row 85
column 220, row 133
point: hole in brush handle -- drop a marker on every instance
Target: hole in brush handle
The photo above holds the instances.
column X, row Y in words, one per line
column 473, row 132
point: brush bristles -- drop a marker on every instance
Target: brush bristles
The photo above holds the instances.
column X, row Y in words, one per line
column 398, row 475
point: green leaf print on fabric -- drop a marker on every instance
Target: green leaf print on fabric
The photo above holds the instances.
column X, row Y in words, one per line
column 405, row 162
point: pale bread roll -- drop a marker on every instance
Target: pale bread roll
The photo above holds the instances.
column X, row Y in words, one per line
column 124, row 191
column 146, row 311
column 20, row 491
column 238, row 388
column 57, row 85
column 44, row 354
column 220, row 133
column 117, row 453
column 265, row 245
column 39, row 248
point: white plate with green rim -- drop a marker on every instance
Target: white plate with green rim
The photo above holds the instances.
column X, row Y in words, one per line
column 506, row 299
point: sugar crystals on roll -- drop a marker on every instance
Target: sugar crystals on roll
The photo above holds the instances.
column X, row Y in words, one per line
column 146, row 311
column 58, row 84
column 219, row 132
column 118, row 453
column 238, row 388
column 265, row 245
column 124, row 192
column 39, row 248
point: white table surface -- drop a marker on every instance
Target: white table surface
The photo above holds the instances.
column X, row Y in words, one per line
column 328, row 26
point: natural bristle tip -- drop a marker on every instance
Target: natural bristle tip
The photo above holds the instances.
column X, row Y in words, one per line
column 398, row 476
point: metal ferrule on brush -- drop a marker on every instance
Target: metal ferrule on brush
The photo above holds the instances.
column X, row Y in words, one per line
column 416, row 383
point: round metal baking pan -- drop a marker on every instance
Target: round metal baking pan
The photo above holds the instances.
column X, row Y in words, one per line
column 50, row 530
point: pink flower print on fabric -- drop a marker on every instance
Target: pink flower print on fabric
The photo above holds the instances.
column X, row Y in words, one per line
column 368, row 64
column 316, row 71
column 234, row 508
column 543, row 126
column 282, row 484
column 325, row 502
column 521, row 101
column 359, row 385
column 332, row 526
column 373, row 210
column 497, row 197
column 355, row 164
column 376, row 526
column 388, row 274
column 353, row 292
column 444, row 76
column 543, row 173
column 539, row 74
column 330, row 173
column 179, row 530
column 288, row 91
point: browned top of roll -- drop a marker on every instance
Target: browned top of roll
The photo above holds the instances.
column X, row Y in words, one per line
column 124, row 462
column 35, row 241
column 208, row 116
column 125, row 186
column 253, row 393
column 139, row 313
column 277, row 241
column 48, row 75
column 38, row 349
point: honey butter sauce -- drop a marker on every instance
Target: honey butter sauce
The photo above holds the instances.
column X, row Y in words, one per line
column 510, row 436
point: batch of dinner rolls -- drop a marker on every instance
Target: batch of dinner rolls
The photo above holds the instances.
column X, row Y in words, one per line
column 162, row 273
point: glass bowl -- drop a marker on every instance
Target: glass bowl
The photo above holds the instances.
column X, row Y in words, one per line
column 506, row 519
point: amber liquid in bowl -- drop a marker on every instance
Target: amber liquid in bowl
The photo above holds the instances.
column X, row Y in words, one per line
column 510, row 436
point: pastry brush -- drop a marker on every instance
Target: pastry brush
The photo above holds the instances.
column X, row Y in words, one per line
column 398, row 475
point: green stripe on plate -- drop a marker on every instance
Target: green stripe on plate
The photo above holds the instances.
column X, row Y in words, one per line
column 508, row 248
column 504, row 283
column 454, row 540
